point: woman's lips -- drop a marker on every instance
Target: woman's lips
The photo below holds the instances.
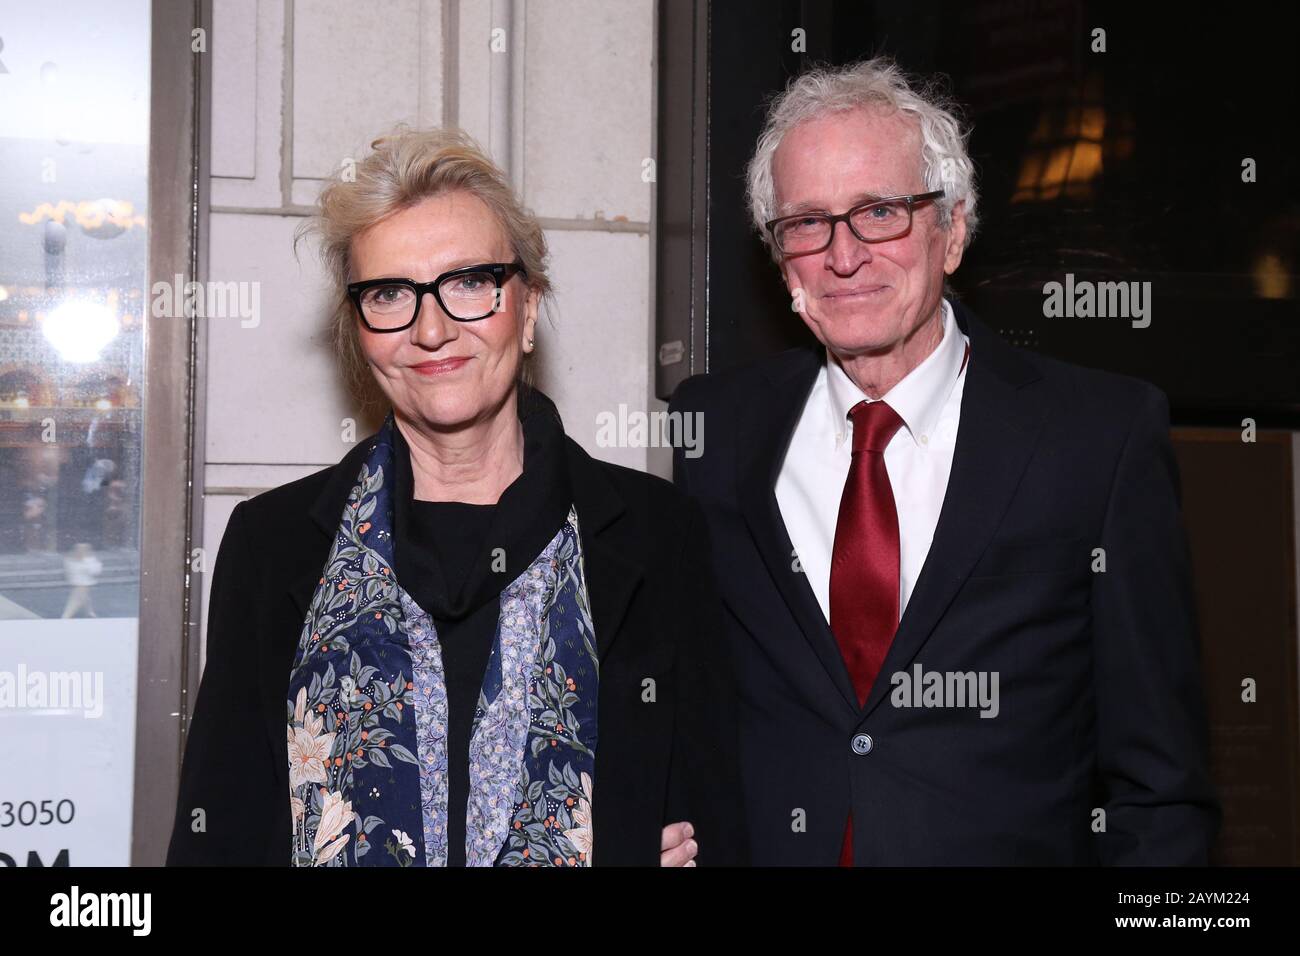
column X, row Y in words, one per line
column 440, row 367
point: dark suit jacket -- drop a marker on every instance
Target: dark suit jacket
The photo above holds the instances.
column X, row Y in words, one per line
column 1099, row 673
column 655, row 614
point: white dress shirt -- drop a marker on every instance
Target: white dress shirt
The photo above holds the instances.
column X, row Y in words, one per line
column 918, row 459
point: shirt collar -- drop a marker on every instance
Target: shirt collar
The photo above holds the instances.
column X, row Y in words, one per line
column 918, row 398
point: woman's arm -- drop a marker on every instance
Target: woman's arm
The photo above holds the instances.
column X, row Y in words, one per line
column 225, row 808
column 704, row 776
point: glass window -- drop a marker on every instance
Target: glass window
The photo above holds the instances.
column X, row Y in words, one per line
column 74, row 124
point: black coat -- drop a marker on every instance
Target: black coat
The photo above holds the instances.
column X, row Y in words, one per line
column 1099, row 672
column 655, row 614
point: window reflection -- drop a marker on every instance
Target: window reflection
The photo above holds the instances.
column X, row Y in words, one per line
column 74, row 133
column 73, row 143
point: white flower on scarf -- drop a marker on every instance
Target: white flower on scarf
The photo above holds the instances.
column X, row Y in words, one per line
column 404, row 842
column 308, row 754
column 334, row 816
column 581, row 835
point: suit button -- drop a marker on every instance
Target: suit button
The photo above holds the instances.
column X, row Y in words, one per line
column 862, row 744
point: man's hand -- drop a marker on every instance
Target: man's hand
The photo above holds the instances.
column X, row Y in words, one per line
column 676, row 847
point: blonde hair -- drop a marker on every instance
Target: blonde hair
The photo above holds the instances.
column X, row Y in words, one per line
column 403, row 168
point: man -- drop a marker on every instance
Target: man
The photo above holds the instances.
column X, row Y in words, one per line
column 955, row 574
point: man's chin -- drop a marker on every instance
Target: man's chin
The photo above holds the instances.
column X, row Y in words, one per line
column 847, row 342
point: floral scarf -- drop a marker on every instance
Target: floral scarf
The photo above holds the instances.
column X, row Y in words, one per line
column 367, row 709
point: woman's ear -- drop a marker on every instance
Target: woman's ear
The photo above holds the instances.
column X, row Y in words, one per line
column 531, row 305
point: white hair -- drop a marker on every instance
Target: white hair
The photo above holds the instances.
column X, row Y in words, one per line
column 879, row 83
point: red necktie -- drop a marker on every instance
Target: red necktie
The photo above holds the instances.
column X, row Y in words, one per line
column 864, row 561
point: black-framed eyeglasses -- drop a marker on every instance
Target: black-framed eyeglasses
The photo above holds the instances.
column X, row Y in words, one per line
column 466, row 294
column 876, row 221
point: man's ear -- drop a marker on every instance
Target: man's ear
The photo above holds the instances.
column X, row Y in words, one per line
column 791, row 280
column 956, row 242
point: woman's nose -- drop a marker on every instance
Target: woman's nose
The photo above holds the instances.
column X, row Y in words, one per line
column 433, row 327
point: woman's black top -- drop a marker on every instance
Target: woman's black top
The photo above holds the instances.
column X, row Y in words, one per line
column 454, row 560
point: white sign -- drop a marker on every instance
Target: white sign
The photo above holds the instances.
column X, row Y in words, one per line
column 67, row 741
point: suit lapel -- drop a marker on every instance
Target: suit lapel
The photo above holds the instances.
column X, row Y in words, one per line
column 612, row 573
column 326, row 510
column 996, row 436
column 765, row 435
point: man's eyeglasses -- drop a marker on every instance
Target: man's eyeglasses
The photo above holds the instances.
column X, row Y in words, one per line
column 466, row 294
column 877, row 221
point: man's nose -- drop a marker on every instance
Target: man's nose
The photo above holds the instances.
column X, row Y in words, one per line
column 846, row 251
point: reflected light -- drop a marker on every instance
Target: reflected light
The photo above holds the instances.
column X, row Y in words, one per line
column 1272, row 278
column 79, row 329
column 1064, row 154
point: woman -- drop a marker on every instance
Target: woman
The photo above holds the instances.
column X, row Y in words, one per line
column 468, row 643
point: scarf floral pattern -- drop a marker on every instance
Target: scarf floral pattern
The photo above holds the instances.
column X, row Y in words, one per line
column 367, row 709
